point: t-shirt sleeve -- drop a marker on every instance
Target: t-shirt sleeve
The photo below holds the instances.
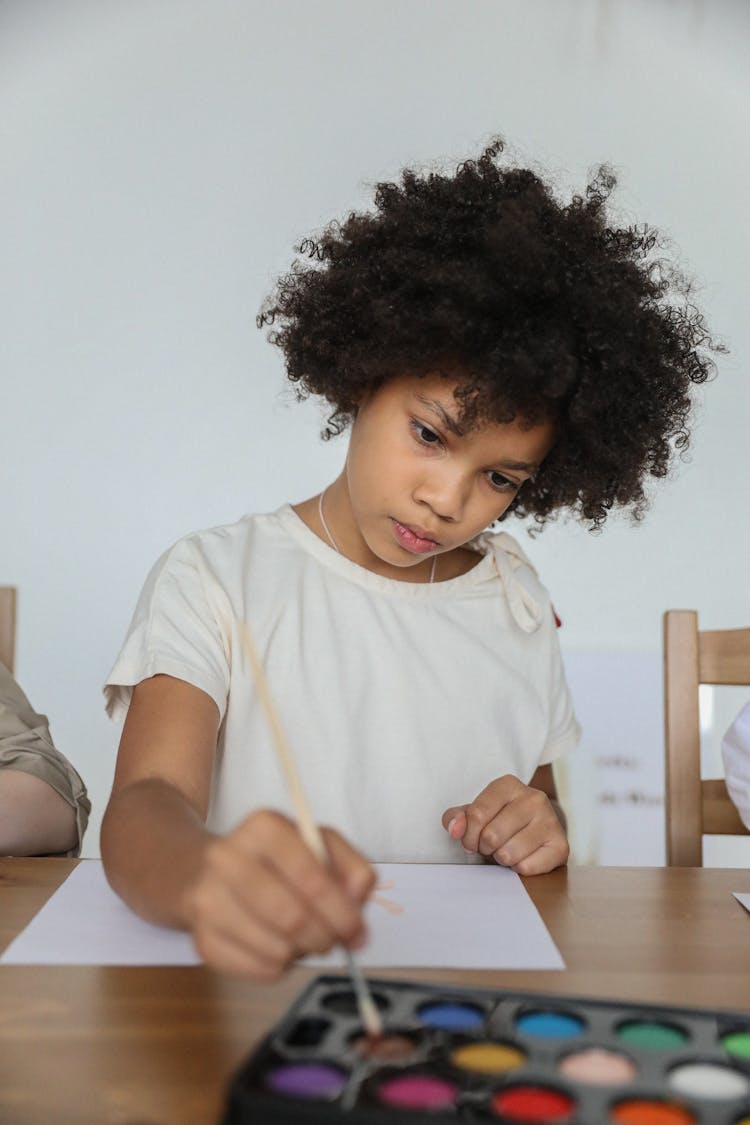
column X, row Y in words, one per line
column 175, row 631
column 564, row 730
column 735, row 750
column 531, row 608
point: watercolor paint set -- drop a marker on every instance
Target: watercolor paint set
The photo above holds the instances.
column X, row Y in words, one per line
column 472, row 1055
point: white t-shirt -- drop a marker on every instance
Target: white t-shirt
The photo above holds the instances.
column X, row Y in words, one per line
column 735, row 749
column 398, row 699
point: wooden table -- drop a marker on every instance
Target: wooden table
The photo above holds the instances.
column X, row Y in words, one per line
column 156, row 1046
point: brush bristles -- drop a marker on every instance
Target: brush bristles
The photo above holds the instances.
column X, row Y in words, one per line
column 371, row 1018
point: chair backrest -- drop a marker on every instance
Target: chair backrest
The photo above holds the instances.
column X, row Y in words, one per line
column 695, row 806
column 8, row 626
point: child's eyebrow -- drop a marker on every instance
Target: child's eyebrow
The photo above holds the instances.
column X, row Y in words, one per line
column 451, row 424
column 524, row 466
column 448, row 421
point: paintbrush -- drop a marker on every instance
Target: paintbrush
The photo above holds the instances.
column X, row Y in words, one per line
column 308, row 828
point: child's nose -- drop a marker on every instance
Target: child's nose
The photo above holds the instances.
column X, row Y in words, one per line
column 445, row 493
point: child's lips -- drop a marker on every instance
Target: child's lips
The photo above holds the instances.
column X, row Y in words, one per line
column 413, row 538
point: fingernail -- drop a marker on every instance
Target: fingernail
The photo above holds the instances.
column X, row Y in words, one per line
column 469, row 851
column 450, row 825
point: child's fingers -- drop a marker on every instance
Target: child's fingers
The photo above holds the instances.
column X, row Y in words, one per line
column 486, row 806
column 247, row 893
column 318, row 886
column 546, row 858
column 228, row 954
column 498, row 835
column 228, row 937
column 316, row 923
column 454, row 822
column 513, row 823
column 513, row 847
column 271, row 900
column 242, row 897
column 532, row 851
column 354, row 871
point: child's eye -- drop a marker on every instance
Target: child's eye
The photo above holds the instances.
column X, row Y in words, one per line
column 424, row 434
column 502, row 483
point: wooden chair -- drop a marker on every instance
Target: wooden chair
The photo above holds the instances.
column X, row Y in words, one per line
column 695, row 806
column 8, row 626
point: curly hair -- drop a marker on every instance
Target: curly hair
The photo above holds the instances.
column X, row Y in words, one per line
column 540, row 310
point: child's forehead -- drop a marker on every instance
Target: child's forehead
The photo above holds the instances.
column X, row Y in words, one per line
column 439, row 399
column 464, row 407
column 446, row 387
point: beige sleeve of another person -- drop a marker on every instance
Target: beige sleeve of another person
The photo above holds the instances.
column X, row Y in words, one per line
column 26, row 748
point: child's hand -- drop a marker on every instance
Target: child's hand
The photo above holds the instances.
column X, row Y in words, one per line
column 262, row 899
column 513, row 823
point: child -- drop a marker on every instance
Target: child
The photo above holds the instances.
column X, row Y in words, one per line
column 735, row 750
column 493, row 351
column 44, row 808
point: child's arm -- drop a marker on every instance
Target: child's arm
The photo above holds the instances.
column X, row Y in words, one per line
column 255, row 899
column 518, row 825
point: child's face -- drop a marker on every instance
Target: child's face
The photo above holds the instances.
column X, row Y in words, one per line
column 417, row 484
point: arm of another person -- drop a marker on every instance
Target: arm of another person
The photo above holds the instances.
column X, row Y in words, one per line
column 735, row 749
column 44, row 807
column 253, row 899
column 34, row 819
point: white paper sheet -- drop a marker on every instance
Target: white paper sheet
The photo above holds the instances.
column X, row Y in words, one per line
column 743, row 899
column 85, row 923
column 453, row 916
column 458, row 916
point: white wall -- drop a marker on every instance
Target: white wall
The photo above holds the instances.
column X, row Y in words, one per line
column 157, row 162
